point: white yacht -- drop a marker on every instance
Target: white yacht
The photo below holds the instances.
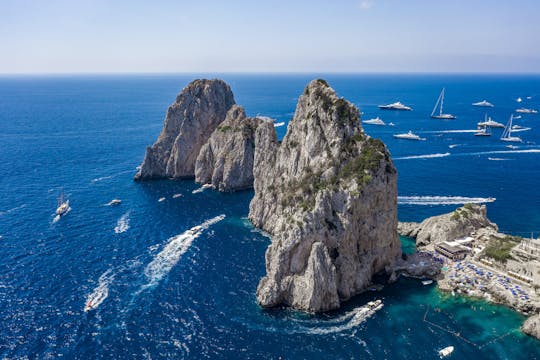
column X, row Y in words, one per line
column 519, row 100
column 507, row 133
column 63, row 205
column 446, row 351
column 114, row 202
column 395, row 106
column 408, row 136
column 194, row 230
column 526, row 111
column 439, row 105
column 375, row 121
column 483, row 103
column 517, row 128
column 489, row 122
column 483, row 131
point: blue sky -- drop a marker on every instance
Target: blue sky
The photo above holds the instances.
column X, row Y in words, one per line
column 61, row 36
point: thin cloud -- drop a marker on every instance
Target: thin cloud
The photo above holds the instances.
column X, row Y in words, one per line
column 366, row 4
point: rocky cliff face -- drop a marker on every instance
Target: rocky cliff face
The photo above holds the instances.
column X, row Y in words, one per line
column 196, row 113
column 447, row 227
column 226, row 160
column 328, row 196
column 531, row 326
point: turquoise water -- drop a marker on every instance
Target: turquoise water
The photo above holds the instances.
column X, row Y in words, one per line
column 170, row 295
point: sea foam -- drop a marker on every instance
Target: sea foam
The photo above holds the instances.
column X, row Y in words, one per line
column 442, row 200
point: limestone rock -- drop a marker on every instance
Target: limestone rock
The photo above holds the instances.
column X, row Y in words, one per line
column 447, row 227
column 328, row 196
column 226, row 160
column 531, row 326
column 190, row 120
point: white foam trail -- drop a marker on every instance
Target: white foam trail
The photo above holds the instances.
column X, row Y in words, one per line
column 12, row 210
column 279, row 124
column 521, row 129
column 453, row 146
column 442, row 200
column 202, row 188
column 110, row 176
column 176, row 246
column 498, row 159
column 451, row 131
column 525, row 151
column 122, row 225
column 58, row 217
column 427, row 156
column 100, row 293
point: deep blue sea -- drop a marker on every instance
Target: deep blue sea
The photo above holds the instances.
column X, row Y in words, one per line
column 174, row 296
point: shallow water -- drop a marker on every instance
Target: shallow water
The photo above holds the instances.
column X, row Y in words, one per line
column 88, row 134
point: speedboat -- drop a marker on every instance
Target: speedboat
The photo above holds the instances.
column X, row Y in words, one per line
column 408, row 136
column 489, row 122
column 63, row 205
column 114, row 202
column 483, row 103
column 161, row 199
column 427, row 282
column 526, row 111
column 176, row 196
column 446, row 351
column 395, row 106
column 194, row 230
column 375, row 121
column 96, row 299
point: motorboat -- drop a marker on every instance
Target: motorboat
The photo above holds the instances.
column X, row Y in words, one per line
column 395, row 106
column 63, row 205
column 427, row 282
column 408, row 136
column 375, row 121
column 175, row 196
column 446, row 351
column 526, row 111
column 439, row 104
column 161, row 199
column 194, row 230
column 489, row 122
column 483, row 103
column 114, row 202
column 518, row 128
column 507, row 133
column 96, row 299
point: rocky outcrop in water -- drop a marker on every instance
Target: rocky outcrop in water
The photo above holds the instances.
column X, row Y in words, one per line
column 226, row 160
column 328, row 196
column 531, row 326
column 447, row 227
column 196, row 113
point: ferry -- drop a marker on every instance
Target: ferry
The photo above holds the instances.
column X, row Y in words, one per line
column 63, row 205
column 395, row 106
column 483, row 103
column 375, row 121
column 408, row 136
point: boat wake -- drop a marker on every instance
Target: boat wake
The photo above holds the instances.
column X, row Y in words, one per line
column 110, row 176
column 100, row 293
column 58, row 217
column 494, row 152
column 122, row 225
column 451, row 131
column 9, row 211
column 498, row 159
column 442, row 200
column 176, row 246
column 426, row 156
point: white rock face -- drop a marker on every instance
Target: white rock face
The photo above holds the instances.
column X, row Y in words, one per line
column 196, row 113
column 448, row 227
column 226, row 160
column 531, row 326
column 328, row 196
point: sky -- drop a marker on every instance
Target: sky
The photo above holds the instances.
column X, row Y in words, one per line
column 166, row 36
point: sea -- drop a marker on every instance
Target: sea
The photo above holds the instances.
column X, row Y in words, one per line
column 159, row 291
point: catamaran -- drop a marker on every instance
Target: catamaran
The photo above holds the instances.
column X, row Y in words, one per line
column 395, row 106
column 439, row 104
column 489, row 122
column 408, row 136
column 63, row 205
column 507, row 133
column 375, row 121
column 483, row 103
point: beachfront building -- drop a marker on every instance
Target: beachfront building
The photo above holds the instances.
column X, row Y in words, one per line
column 452, row 249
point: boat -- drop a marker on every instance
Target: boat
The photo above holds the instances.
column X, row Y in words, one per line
column 483, row 132
column 439, row 104
column 513, row 147
column 194, row 230
column 489, row 122
column 391, row 124
column 446, row 351
column 114, row 202
column 526, row 111
column 519, row 99
column 395, row 106
column 483, row 103
column 408, row 136
column 427, row 282
column 517, row 128
column 175, row 196
column 96, row 299
column 375, row 121
column 507, row 133
column 63, row 205
column 161, row 199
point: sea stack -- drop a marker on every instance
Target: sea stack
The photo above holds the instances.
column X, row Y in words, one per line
column 328, row 196
column 198, row 110
column 226, row 160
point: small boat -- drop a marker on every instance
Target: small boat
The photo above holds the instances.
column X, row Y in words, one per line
column 161, row 199
column 519, row 100
column 507, row 133
column 408, row 136
column 513, row 147
column 375, row 121
column 96, row 299
column 439, row 104
column 63, row 205
column 517, row 128
column 114, row 202
column 427, row 282
column 176, row 196
column 489, row 122
column 483, row 103
column 483, row 132
column 194, row 230
column 395, row 106
column 391, row 124
column 446, row 351
column 526, row 111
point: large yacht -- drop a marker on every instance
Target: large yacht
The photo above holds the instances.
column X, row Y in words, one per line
column 489, row 122
column 408, row 136
column 483, row 103
column 375, row 121
column 395, row 106
column 63, row 205
column 439, row 105
column 507, row 133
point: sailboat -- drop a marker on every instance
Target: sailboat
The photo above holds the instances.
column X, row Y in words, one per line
column 63, row 205
column 507, row 133
column 483, row 131
column 439, row 104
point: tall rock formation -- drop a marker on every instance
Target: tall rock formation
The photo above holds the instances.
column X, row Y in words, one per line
column 196, row 113
column 226, row 160
column 328, row 196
